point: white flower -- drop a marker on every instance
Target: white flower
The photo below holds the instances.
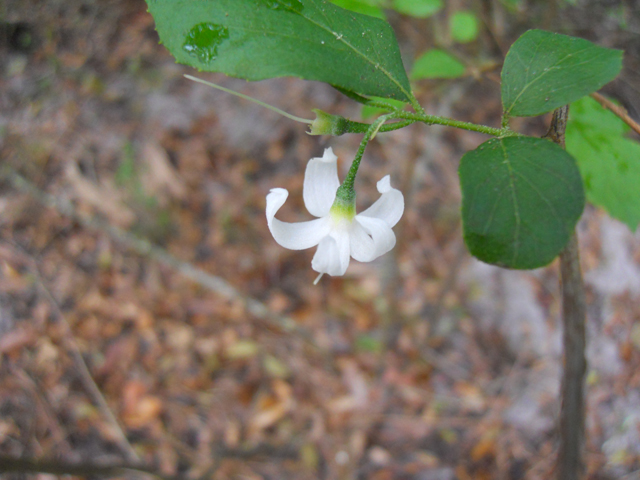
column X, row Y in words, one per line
column 338, row 232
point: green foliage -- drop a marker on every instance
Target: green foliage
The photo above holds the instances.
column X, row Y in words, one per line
column 126, row 173
column 418, row 8
column 522, row 196
column 521, row 199
column 463, row 27
column 360, row 6
column 609, row 162
column 544, row 70
column 368, row 343
column 436, row 63
column 413, row 8
column 513, row 5
column 154, row 221
column 369, row 111
column 310, row 39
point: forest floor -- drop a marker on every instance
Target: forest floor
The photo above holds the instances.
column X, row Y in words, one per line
column 425, row 364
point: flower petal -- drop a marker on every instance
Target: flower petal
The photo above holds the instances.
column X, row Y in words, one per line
column 295, row 236
column 389, row 207
column 332, row 256
column 320, row 183
column 370, row 238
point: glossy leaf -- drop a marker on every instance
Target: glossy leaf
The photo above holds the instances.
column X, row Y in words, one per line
column 544, row 70
column 609, row 162
column 436, row 64
column 521, row 199
column 258, row 39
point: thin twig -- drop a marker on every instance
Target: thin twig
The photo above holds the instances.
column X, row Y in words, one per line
column 618, row 110
column 89, row 469
column 28, row 465
column 84, row 374
column 143, row 247
column 57, row 432
column 570, row 464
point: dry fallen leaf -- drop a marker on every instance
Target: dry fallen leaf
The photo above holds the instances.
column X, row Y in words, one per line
column 486, row 447
column 17, row 339
column 272, row 408
column 140, row 408
column 160, row 179
column 471, row 396
column 105, row 198
column 242, row 349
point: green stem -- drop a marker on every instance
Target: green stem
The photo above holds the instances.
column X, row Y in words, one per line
column 347, row 186
column 435, row 120
column 416, row 105
column 359, row 127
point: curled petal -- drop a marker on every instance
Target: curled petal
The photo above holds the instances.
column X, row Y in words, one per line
column 370, row 237
column 332, row 256
column 389, row 207
column 295, row 236
column 320, row 183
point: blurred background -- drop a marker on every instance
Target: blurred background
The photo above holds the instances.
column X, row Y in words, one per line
column 425, row 364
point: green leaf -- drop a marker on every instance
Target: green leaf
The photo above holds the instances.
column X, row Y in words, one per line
column 609, row 162
column 275, row 367
column 513, row 5
column 258, row 39
column 463, row 27
column 418, row 8
column 368, row 343
column 368, row 111
column 544, row 70
column 521, row 199
column 364, row 7
column 436, row 64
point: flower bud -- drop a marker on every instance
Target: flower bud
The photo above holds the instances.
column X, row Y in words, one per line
column 327, row 124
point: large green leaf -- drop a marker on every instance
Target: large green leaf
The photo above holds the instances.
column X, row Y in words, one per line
column 436, row 63
column 521, row 199
column 418, row 8
column 463, row 26
column 544, row 70
column 258, row 39
column 609, row 162
column 361, row 6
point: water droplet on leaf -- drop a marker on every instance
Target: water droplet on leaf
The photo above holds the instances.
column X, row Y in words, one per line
column 203, row 41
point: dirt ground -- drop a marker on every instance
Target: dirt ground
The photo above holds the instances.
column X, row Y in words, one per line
column 212, row 355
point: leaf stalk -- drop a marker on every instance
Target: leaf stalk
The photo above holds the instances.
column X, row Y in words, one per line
column 251, row 99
